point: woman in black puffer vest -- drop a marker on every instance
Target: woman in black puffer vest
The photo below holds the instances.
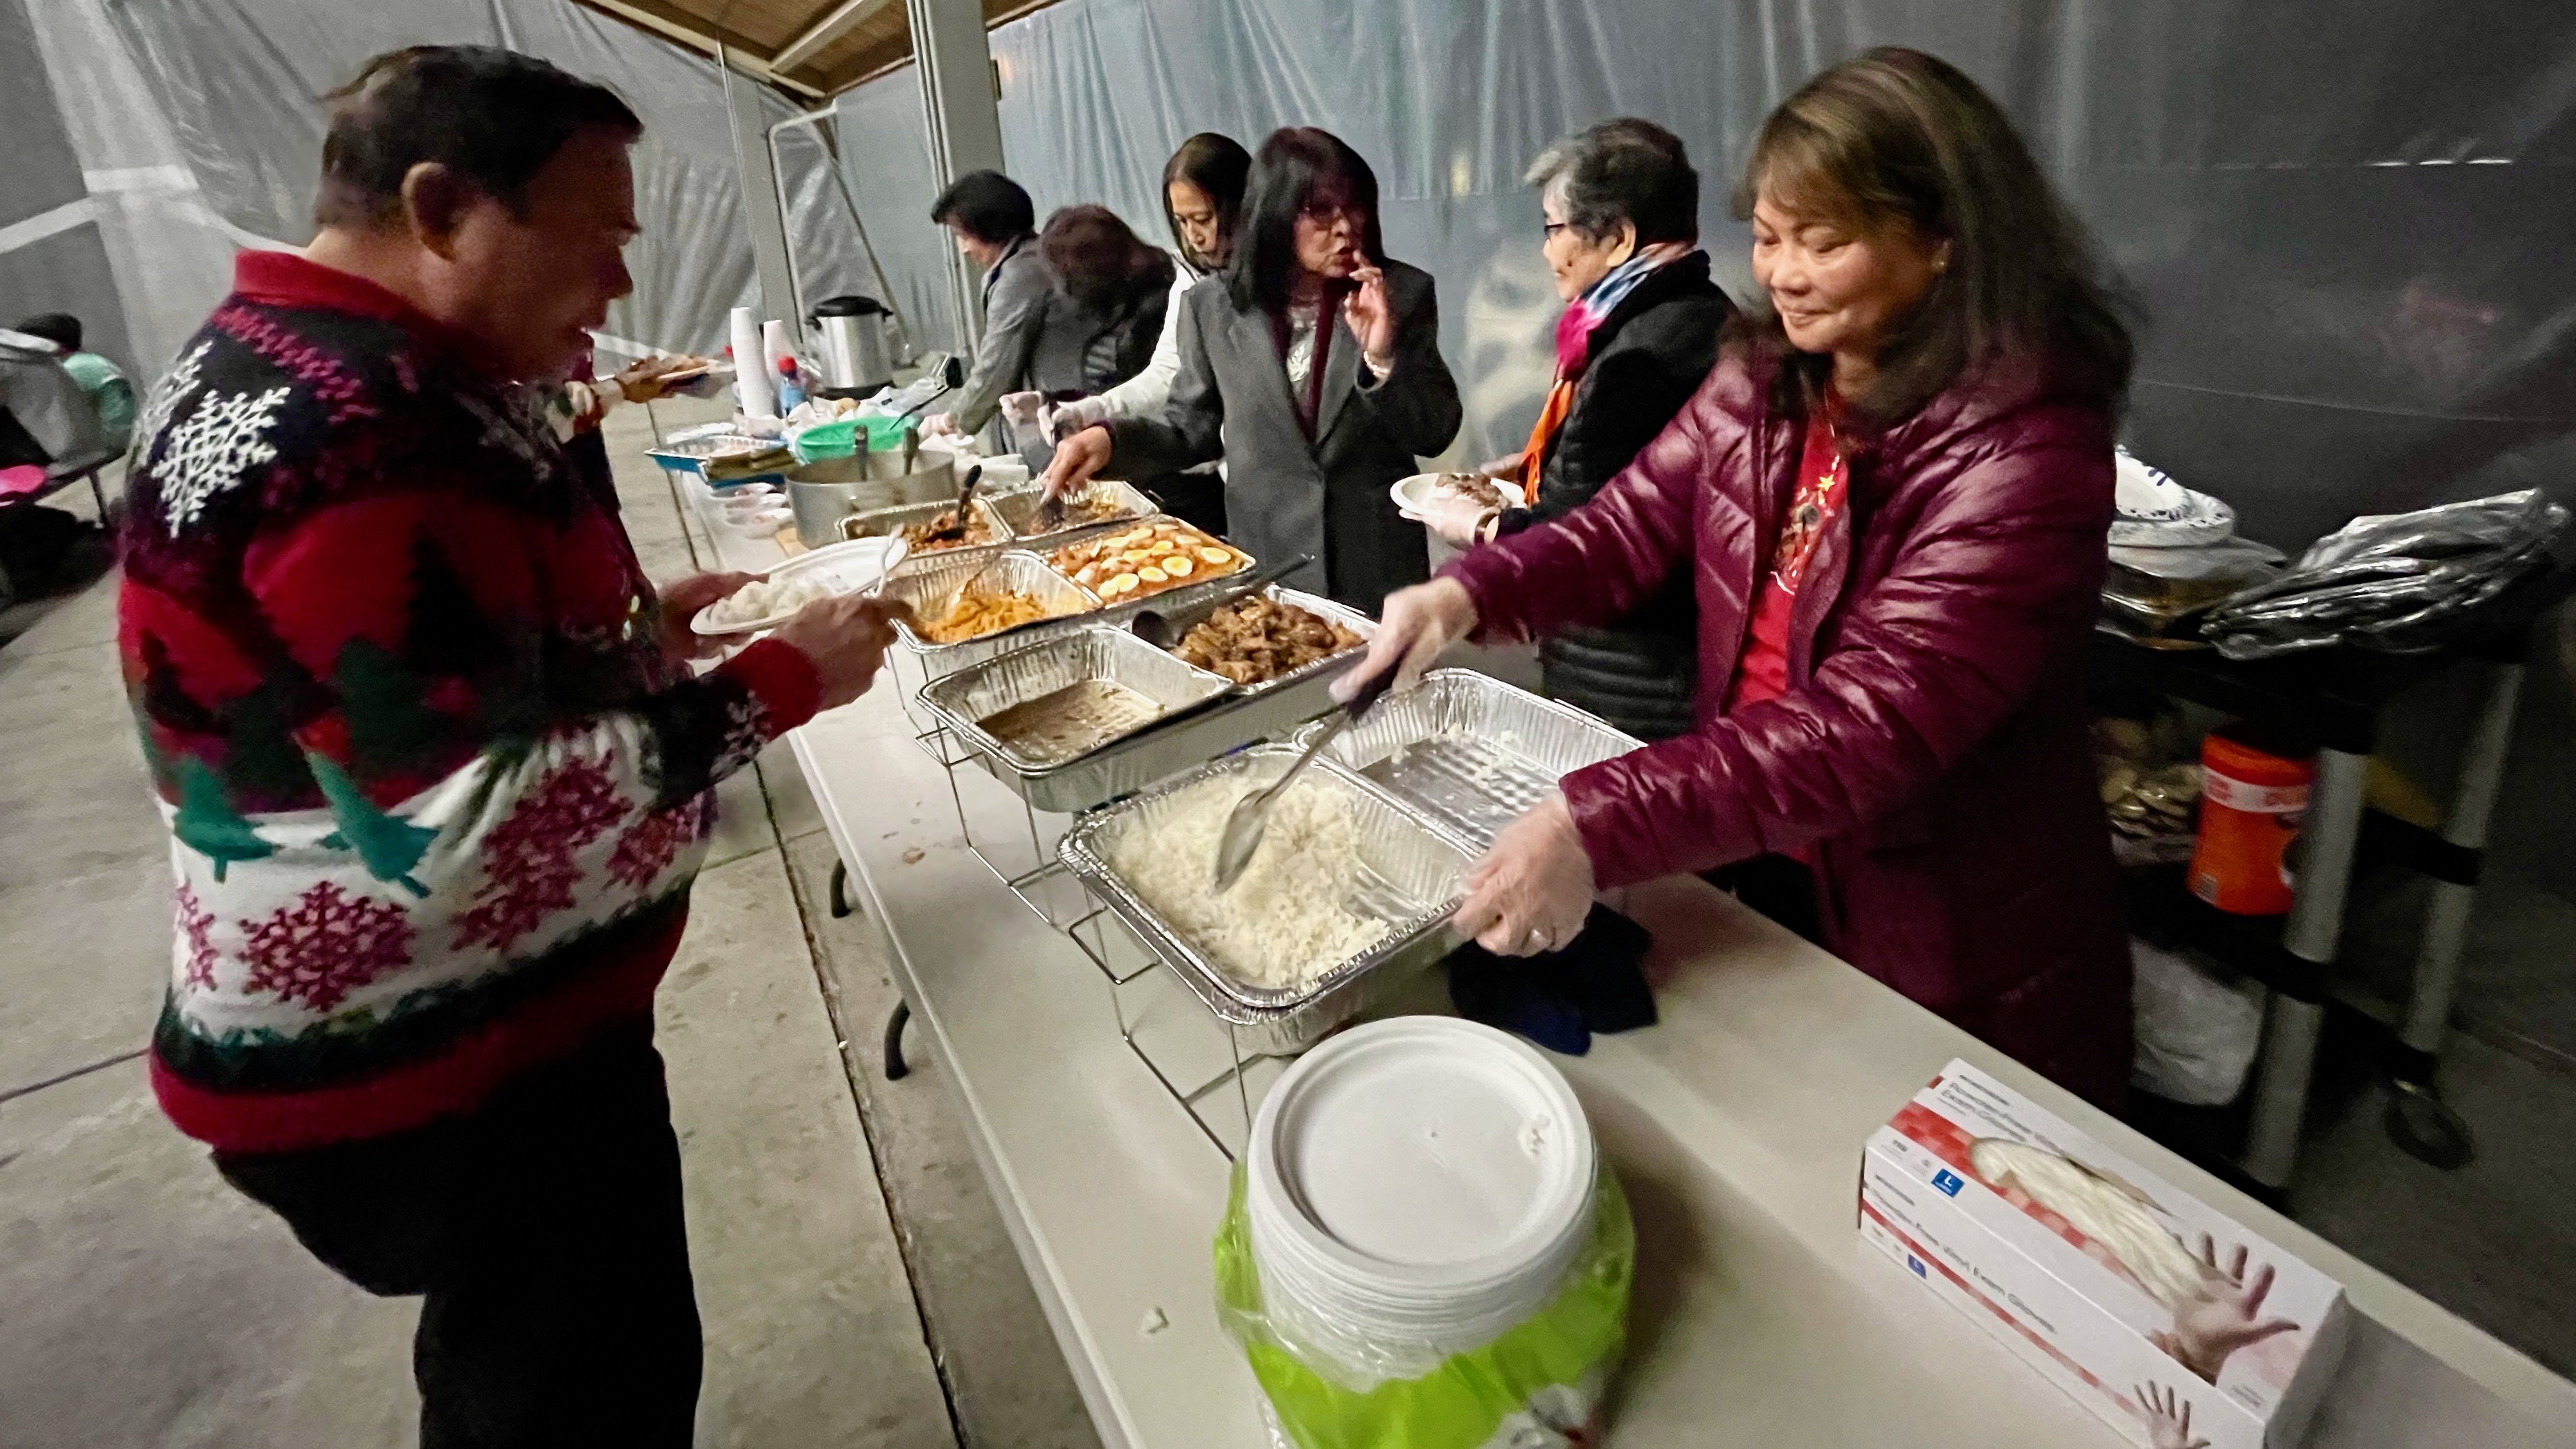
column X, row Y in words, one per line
column 1638, row 336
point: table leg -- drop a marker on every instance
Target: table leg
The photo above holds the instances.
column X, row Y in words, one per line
column 896, row 1069
column 98, row 495
column 2312, row 933
column 2418, row 1120
column 840, row 890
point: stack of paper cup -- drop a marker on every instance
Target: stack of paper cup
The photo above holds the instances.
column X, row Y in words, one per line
column 1415, row 1188
column 751, row 366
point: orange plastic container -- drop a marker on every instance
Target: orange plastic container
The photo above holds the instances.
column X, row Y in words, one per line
column 2251, row 802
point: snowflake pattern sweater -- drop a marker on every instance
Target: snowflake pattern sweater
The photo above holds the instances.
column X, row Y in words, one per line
column 435, row 791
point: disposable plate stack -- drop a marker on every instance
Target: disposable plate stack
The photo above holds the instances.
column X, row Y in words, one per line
column 1415, row 1188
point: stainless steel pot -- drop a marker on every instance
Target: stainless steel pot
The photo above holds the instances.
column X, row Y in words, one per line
column 852, row 334
column 822, row 494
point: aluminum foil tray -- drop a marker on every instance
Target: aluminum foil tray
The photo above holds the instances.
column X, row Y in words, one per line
column 965, row 698
column 935, row 585
column 1313, row 680
column 694, row 451
column 1019, row 506
column 1271, row 709
column 876, row 522
column 1421, row 865
column 1470, row 753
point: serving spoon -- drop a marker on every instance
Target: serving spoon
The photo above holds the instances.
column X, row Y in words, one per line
column 1251, row 815
column 965, row 496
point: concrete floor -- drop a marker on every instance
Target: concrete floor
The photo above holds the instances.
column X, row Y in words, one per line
column 856, row 1283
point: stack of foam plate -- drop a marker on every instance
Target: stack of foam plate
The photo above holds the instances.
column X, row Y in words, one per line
column 1415, row 1188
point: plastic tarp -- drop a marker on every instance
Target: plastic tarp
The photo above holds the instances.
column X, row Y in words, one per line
column 2345, row 222
column 197, row 130
column 885, row 153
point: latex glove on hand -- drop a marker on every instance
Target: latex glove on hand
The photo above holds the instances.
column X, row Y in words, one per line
column 1460, row 522
column 1073, row 417
column 1023, row 413
column 1076, row 459
column 1419, row 622
column 941, row 425
column 1533, row 890
column 681, row 603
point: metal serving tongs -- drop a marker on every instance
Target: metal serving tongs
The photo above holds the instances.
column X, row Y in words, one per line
column 1156, row 628
column 965, row 497
column 1252, row 813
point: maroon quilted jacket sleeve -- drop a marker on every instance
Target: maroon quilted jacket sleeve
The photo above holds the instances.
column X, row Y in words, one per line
column 1997, row 572
column 1603, row 560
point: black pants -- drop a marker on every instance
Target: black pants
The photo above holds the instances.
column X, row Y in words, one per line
column 544, row 1233
column 1778, row 887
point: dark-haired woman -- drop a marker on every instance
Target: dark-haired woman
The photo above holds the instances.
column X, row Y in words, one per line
column 1203, row 204
column 1314, row 367
column 1106, row 317
column 1638, row 337
column 1891, row 496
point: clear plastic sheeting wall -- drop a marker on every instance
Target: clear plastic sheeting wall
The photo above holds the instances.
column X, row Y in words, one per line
column 198, row 125
column 2346, row 222
column 885, row 154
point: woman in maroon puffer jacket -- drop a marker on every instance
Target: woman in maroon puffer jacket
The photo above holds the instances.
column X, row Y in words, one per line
column 1891, row 495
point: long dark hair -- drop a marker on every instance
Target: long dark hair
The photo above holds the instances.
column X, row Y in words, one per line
column 1097, row 261
column 1294, row 166
column 1897, row 138
column 1217, row 165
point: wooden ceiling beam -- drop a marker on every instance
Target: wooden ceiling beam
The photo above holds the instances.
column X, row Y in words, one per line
column 673, row 24
column 840, row 20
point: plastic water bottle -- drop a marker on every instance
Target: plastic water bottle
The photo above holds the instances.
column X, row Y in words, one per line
column 791, row 387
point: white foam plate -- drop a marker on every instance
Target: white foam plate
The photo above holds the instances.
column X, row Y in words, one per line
column 1425, row 1151
column 1410, row 494
column 844, row 568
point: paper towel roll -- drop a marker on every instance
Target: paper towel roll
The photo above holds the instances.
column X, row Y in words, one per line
column 751, row 367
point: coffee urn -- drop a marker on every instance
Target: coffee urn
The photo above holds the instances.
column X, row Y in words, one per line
column 851, row 331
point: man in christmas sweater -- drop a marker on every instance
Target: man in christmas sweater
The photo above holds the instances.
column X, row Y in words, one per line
column 436, row 774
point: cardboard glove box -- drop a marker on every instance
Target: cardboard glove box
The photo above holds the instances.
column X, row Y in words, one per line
column 2171, row 1321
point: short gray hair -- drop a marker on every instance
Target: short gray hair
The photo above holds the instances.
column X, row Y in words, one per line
column 1627, row 170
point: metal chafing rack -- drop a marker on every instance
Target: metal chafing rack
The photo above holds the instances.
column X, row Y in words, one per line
column 1434, row 772
column 1239, row 714
column 1418, row 865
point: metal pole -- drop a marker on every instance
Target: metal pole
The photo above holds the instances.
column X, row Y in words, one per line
column 841, row 183
column 959, row 115
column 2446, row 933
column 761, row 214
column 2328, row 838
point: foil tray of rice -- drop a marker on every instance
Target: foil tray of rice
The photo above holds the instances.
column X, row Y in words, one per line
column 1292, row 950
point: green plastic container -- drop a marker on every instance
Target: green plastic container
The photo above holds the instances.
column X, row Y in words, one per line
column 1539, row 1383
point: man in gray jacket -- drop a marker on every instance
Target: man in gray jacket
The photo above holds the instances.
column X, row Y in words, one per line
column 996, row 227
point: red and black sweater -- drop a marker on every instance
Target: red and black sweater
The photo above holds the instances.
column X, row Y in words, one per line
column 436, row 790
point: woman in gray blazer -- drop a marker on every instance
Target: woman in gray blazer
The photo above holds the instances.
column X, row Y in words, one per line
column 1312, row 365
